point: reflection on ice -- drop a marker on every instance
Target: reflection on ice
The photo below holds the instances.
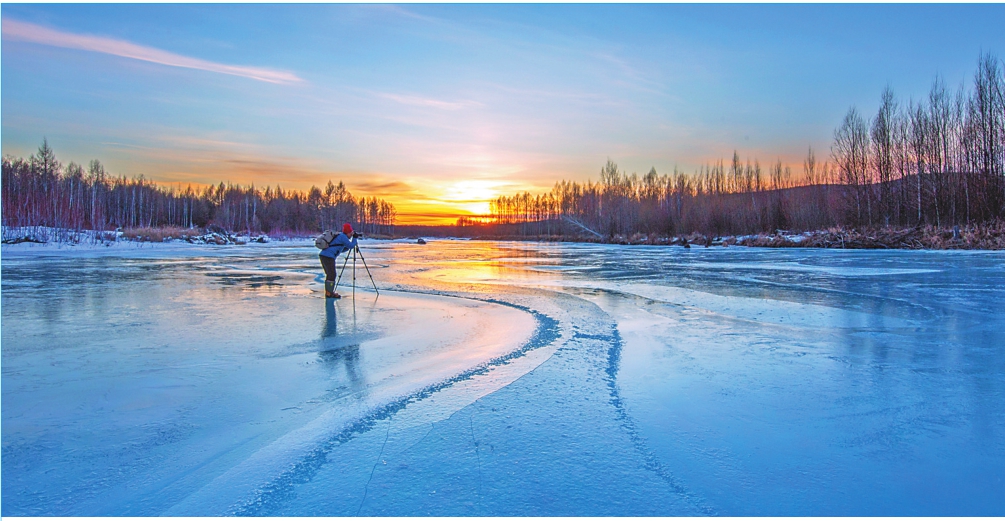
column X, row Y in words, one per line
column 335, row 354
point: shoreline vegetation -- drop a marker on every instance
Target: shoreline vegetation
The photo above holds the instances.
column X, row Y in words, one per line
column 926, row 174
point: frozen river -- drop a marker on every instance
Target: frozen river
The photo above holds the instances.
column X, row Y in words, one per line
column 502, row 379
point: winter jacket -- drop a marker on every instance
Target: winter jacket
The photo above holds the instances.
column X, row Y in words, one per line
column 339, row 244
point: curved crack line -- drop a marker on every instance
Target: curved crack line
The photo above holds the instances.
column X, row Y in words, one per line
column 374, row 469
column 423, row 438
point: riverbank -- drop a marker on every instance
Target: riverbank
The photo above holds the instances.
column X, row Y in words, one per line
column 987, row 236
column 981, row 237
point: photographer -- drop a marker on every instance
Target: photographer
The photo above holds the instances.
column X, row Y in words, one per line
column 343, row 242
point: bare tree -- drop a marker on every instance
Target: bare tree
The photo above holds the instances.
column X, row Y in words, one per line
column 850, row 153
column 919, row 142
column 883, row 149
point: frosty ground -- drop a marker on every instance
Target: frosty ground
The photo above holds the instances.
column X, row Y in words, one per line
column 494, row 378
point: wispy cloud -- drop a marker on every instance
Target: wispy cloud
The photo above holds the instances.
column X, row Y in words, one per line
column 28, row 32
column 420, row 101
column 371, row 186
column 405, row 13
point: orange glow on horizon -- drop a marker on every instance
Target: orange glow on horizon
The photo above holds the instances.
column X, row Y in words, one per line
column 441, row 205
column 434, row 219
column 446, row 202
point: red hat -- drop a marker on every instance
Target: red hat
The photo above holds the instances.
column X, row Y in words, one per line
column 347, row 229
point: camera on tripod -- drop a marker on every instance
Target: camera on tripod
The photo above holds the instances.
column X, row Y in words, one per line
column 354, row 252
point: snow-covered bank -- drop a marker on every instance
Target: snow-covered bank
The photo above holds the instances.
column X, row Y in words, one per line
column 126, row 248
column 980, row 236
column 172, row 248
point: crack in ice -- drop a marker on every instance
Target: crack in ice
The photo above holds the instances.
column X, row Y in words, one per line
column 374, row 469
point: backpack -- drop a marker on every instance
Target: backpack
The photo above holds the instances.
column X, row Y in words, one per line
column 324, row 240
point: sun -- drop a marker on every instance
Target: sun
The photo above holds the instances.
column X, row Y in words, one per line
column 473, row 196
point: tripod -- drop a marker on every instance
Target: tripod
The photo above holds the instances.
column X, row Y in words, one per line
column 356, row 251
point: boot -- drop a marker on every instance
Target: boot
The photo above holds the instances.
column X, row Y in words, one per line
column 330, row 290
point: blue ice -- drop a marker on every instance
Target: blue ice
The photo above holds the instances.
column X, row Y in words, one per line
column 502, row 379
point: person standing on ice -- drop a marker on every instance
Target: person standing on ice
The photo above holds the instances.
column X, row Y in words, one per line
column 341, row 242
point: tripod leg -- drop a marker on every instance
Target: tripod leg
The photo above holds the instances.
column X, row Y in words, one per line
column 354, row 273
column 368, row 272
column 340, row 273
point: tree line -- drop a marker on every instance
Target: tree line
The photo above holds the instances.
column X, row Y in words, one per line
column 938, row 160
column 741, row 197
column 41, row 192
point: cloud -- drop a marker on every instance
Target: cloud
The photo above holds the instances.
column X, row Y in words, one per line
column 211, row 159
column 27, row 32
column 406, row 13
column 377, row 187
column 430, row 102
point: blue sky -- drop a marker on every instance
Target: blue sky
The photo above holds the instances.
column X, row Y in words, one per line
column 439, row 107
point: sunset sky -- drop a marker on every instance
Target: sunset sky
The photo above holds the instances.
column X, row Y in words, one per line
column 439, row 108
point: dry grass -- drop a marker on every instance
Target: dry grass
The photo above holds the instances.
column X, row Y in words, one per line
column 156, row 234
column 988, row 236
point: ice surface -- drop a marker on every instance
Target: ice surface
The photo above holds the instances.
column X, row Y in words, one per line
column 502, row 379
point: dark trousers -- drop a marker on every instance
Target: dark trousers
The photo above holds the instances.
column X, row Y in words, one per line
column 328, row 264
